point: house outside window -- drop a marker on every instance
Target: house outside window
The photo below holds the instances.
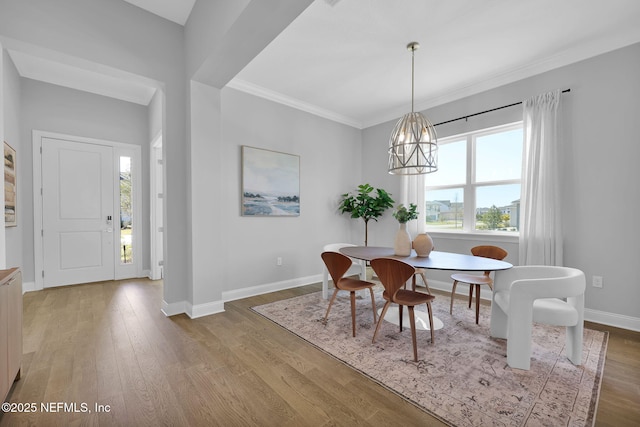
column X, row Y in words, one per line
column 477, row 185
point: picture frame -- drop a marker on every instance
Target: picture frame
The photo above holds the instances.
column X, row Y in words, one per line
column 10, row 189
column 270, row 183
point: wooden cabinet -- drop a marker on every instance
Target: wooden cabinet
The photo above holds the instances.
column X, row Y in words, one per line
column 10, row 328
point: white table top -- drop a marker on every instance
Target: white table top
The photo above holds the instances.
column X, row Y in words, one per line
column 436, row 260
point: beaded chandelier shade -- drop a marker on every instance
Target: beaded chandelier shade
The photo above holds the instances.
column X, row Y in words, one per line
column 413, row 145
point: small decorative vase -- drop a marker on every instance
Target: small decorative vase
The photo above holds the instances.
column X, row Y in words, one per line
column 423, row 245
column 402, row 245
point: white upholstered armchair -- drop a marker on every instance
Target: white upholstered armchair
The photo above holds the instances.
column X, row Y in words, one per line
column 535, row 293
column 357, row 267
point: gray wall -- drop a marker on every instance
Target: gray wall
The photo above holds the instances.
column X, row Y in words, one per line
column 600, row 145
column 599, row 153
column 57, row 109
column 15, row 249
column 329, row 165
column 153, row 51
column 118, row 38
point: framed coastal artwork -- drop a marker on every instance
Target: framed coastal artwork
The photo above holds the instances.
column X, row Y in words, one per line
column 270, row 183
column 9, row 186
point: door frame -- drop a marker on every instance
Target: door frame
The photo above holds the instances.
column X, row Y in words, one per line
column 120, row 271
column 156, row 184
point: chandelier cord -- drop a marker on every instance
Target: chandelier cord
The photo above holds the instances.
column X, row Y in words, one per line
column 413, row 52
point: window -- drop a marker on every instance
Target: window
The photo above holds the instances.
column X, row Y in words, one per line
column 477, row 185
column 126, row 211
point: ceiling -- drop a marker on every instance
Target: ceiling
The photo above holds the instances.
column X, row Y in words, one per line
column 350, row 60
column 177, row 11
column 346, row 60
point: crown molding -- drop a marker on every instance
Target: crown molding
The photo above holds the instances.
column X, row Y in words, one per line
column 262, row 92
column 567, row 57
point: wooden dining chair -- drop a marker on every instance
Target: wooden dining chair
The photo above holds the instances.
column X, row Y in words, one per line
column 338, row 265
column 474, row 280
column 394, row 274
column 357, row 267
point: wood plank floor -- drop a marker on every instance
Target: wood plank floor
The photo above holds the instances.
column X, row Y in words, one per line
column 108, row 344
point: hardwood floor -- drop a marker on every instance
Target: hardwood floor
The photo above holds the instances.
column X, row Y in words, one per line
column 108, row 344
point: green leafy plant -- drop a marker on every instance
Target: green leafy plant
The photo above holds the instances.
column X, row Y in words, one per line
column 403, row 215
column 367, row 203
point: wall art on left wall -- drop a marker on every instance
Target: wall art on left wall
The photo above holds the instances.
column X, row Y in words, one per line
column 270, row 183
column 10, row 193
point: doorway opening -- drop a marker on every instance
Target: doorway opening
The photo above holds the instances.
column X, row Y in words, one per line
column 157, row 199
column 87, row 206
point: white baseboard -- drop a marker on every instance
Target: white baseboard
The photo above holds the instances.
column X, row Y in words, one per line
column 612, row 319
column 269, row 287
column 595, row 316
column 174, row 308
column 213, row 307
column 29, row 287
column 193, row 311
column 201, row 310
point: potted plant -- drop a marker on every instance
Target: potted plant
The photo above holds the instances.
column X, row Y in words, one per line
column 366, row 204
column 402, row 244
column 404, row 215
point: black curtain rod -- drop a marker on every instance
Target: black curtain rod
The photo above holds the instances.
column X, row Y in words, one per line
column 486, row 111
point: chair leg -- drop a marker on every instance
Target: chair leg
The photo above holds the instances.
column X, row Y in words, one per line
column 412, row 320
column 574, row 343
column 373, row 305
column 498, row 321
column 384, row 311
column 333, row 298
column 519, row 326
column 453, row 292
column 353, row 311
column 430, row 319
column 477, row 301
column 400, row 316
column 413, row 283
column 470, row 293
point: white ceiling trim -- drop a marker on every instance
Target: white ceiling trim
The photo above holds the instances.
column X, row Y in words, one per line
column 80, row 75
column 52, row 67
column 172, row 10
column 597, row 47
column 559, row 60
column 261, row 92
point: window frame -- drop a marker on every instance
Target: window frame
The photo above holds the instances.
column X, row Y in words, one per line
column 470, row 185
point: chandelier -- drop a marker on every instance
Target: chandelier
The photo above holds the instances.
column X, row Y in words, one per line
column 413, row 146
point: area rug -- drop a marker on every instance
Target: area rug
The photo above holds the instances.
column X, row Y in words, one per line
column 463, row 378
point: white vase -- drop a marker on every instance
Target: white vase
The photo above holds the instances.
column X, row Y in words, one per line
column 402, row 245
column 423, row 245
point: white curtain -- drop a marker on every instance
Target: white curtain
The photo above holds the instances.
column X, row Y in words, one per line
column 412, row 191
column 540, row 227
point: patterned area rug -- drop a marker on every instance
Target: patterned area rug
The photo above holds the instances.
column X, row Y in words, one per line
column 463, row 379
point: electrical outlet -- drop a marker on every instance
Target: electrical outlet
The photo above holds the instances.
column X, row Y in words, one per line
column 597, row 281
column 279, row 260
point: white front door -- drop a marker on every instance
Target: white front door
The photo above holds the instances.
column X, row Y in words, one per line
column 78, row 212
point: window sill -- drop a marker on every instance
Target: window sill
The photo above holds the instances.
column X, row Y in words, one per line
column 475, row 236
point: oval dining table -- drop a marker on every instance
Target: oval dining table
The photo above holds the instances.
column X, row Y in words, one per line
column 436, row 260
